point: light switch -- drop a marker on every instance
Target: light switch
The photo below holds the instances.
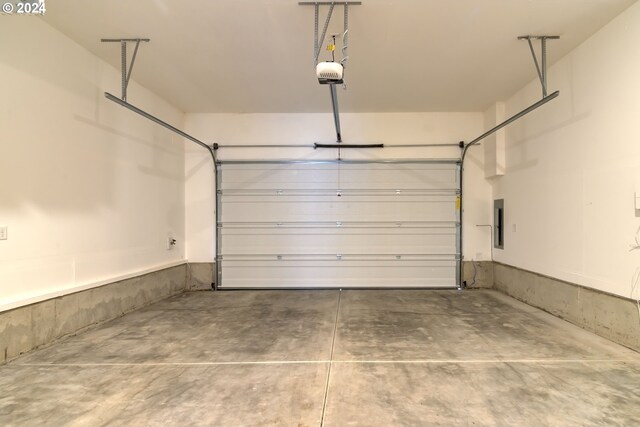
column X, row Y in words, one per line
column 637, row 199
column 3, row 233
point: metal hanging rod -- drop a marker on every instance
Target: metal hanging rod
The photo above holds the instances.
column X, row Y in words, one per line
column 540, row 68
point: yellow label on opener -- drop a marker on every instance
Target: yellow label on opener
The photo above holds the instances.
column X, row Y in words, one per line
column 331, row 47
column 458, row 203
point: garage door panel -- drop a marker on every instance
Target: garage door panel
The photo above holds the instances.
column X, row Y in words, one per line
column 340, row 241
column 339, row 176
column 282, row 177
column 353, row 227
column 406, row 178
column 318, row 209
column 335, row 224
column 353, row 274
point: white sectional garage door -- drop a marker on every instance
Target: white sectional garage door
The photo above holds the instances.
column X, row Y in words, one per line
column 338, row 224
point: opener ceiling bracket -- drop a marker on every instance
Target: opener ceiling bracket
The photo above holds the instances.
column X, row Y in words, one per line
column 318, row 40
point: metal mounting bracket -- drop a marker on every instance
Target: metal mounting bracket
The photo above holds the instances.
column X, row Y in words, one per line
column 540, row 68
column 318, row 40
column 126, row 75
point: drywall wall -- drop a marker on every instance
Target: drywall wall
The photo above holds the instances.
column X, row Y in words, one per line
column 572, row 166
column 88, row 190
column 387, row 128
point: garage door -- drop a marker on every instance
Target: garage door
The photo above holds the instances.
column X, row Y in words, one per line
column 338, row 224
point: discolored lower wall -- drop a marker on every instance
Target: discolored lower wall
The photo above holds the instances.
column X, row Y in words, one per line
column 607, row 315
column 477, row 274
column 200, row 276
column 25, row 328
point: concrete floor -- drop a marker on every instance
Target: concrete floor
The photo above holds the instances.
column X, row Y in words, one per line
column 310, row 358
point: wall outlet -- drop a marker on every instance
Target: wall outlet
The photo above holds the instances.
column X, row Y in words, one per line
column 3, row 233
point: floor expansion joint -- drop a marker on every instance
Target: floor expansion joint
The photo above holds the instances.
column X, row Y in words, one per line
column 333, row 343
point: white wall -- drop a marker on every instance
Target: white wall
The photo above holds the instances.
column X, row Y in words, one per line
column 494, row 151
column 574, row 164
column 88, row 190
column 387, row 128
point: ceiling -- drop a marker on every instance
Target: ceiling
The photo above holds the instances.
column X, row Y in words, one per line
column 256, row 56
